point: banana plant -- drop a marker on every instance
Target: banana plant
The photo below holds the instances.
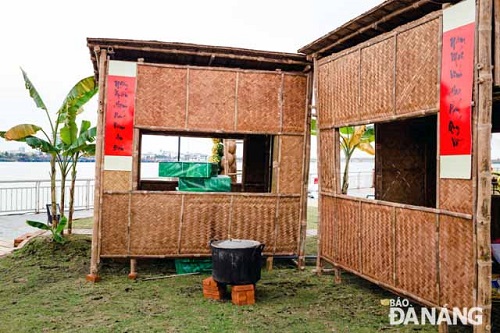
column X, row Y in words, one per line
column 80, row 94
column 352, row 138
column 57, row 233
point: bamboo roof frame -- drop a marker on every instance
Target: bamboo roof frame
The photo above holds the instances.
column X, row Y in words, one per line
column 196, row 55
column 378, row 20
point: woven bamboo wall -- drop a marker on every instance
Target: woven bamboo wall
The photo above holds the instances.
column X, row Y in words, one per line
column 171, row 224
column 205, row 218
column 255, row 217
column 424, row 253
column 258, row 102
column 294, row 105
column 117, row 181
column 457, row 262
column 456, row 195
column 161, row 96
column 211, row 100
column 346, row 236
column 220, row 100
column 327, row 171
column 416, row 77
column 114, row 232
column 342, row 90
column 326, row 225
column 395, row 74
column 287, row 228
column 290, row 171
column 377, row 244
column 154, row 226
column 416, row 248
column 405, row 161
column 377, row 80
column 324, row 95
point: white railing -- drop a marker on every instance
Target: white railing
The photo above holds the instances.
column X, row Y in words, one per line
column 25, row 196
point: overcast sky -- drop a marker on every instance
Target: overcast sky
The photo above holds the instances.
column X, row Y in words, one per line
column 48, row 38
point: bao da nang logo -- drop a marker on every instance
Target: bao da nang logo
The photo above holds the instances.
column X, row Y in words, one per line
column 402, row 312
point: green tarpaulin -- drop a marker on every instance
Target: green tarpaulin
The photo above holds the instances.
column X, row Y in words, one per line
column 187, row 169
column 215, row 184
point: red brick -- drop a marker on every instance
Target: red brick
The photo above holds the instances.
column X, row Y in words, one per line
column 93, row 278
column 243, row 295
column 212, row 290
column 210, row 282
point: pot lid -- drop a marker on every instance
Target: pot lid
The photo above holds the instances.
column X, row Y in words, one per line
column 235, row 244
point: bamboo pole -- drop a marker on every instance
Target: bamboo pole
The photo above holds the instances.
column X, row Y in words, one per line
column 318, row 160
column 281, row 60
column 438, row 135
column 187, row 101
column 484, row 88
column 385, row 118
column 496, row 52
column 93, row 276
column 305, row 171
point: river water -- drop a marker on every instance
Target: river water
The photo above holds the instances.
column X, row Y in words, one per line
column 10, row 171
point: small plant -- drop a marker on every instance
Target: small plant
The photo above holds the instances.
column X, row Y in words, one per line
column 57, row 231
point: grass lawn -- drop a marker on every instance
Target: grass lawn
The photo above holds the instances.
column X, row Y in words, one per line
column 44, row 289
column 85, row 223
column 312, row 217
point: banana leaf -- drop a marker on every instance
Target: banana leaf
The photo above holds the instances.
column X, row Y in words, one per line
column 33, row 92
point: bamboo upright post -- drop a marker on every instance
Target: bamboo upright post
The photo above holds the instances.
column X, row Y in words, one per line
column 484, row 88
column 496, row 52
column 305, row 174
column 318, row 162
column 93, row 276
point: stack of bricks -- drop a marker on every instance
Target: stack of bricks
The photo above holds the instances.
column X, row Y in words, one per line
column 212, row 290
column 243, row 294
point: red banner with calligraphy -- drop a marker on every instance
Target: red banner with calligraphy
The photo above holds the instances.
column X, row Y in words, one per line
column 457, row 76
column 119, row 131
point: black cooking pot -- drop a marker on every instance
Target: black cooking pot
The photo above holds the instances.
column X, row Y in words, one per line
column 236, row 261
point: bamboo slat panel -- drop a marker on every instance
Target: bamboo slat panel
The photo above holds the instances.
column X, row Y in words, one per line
column 205, row 218
column 344, row 77
column 377, row 242
column 346, row 233
column 457, row 266
column 161, row 97
column 211, row 101
column 290, row 173
column 325, row 104
column 456, row 195
column 327, row 160
column 116, row 180
column 114, row 224
column 416, row 248
column 327, row 226
column 259, row 102
column 254, row 218
column 417, row 68
column 294, row 103
column 377, row 80
column 154, row 227
column 287, row 234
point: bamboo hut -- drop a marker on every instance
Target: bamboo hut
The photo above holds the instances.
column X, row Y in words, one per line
column 157, row 88
column 422, row 72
